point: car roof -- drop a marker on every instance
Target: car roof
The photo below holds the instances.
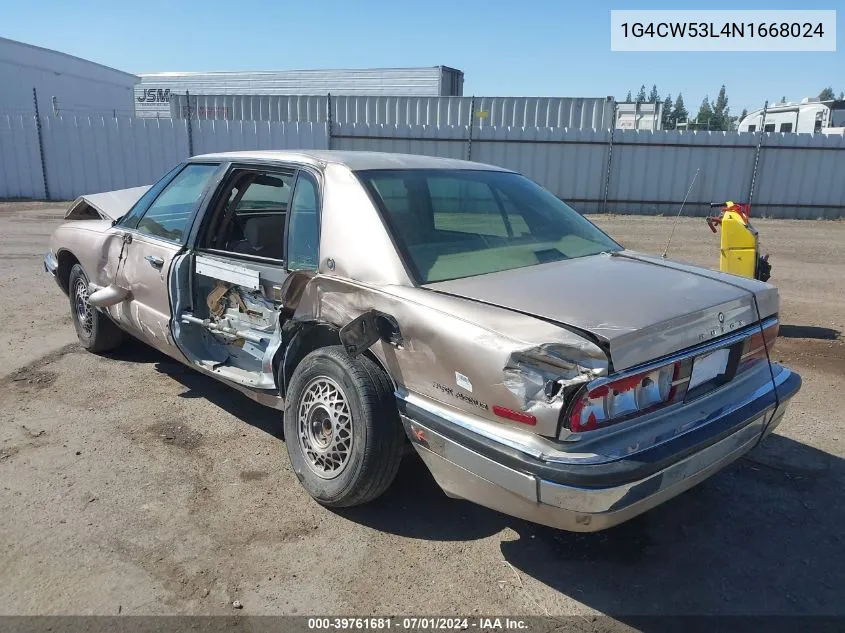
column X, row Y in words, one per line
column 354, row 160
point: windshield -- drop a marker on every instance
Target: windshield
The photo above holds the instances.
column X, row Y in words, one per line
column 459, row 223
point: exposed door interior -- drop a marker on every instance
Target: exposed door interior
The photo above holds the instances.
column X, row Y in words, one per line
column 241, row 288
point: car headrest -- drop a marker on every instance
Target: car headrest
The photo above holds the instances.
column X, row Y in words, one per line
column 266, row 232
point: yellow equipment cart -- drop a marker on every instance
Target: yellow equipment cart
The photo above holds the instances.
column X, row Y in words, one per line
column 739, row 248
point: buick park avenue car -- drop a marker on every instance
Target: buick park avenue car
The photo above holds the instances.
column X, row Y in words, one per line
column 384, row 301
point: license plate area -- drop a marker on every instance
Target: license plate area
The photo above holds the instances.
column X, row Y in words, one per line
column 708, row 367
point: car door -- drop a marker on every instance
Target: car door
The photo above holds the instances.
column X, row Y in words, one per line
column 262, row 224
column 155, row 235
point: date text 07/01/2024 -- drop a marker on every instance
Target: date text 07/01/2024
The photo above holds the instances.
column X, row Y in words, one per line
column 417, row 624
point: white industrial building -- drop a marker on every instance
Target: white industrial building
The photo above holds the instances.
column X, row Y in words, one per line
column 152, row 95
column 65, row 85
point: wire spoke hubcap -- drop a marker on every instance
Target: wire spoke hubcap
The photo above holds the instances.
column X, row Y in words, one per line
column 324, row 423
column 84, row 312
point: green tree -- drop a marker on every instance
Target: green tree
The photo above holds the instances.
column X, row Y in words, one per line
column 628, row 98
column 704, row 118
column 721, row 111
column 841, row 95
column 641, row 96
column 653, row 96
column 666, row 115
column 826, row 94
column 742, row 115
column 679, row 111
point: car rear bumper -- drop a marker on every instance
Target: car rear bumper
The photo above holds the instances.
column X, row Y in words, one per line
column 588, row 497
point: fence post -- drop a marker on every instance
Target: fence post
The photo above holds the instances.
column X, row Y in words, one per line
column 40, row 144
column 471, row 123
column 610, row 159
column 329, row 120
column 190, row 125
column 757, row 154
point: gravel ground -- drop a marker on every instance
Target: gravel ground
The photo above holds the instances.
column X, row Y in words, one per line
column 130, row 484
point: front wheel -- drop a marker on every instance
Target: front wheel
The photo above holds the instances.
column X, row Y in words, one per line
column 342, row 428
column 96, row 332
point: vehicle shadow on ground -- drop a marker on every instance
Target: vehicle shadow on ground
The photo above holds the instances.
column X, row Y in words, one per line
column 198, row 385
column 809, row 331
column 762, row 537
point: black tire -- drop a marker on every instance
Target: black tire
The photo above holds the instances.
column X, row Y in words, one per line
column 377, row 438
column 102, row 334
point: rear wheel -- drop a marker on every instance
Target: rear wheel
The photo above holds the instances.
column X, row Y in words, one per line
column 342, row 428
column 96, row 332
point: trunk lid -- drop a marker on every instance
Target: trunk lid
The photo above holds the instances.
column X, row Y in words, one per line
column 640, row 308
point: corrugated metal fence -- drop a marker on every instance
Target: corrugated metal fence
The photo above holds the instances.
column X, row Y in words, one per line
column 620, row 171
column 581, row 113
column 89, row 155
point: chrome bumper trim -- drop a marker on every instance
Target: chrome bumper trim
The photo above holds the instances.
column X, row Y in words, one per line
column 540, row 448
column 465, row 473
column 51, row 264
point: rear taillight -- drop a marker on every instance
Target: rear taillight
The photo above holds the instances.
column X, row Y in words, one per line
column 623, row 398
column 755, row 346
column 620, row 399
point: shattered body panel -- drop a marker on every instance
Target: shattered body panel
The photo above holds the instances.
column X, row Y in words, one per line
column 461, row 354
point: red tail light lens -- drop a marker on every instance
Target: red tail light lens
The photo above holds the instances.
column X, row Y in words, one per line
column 516, row 416
column 620, row 399
column 756, row 345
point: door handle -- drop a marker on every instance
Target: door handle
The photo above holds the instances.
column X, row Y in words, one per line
column 155, row 262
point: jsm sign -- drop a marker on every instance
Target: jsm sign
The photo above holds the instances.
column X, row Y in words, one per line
column 154, row 95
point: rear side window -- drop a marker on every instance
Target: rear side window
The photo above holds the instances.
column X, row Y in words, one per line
column 169, row 216
column 304, row 225
column 250, row 217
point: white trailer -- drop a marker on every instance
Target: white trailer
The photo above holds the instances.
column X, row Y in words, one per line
column 809, row 115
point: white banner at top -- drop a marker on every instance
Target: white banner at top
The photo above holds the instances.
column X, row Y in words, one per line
column 705, row 30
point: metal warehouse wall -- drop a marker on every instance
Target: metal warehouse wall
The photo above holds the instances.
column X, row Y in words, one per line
column 431, row 81
column 569, row 112
column 619, row 171
column 80, row 87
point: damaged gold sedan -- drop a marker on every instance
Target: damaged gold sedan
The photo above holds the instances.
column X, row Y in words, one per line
column 381, row 300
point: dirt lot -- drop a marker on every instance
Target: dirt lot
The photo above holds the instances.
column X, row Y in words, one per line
column 130, row 484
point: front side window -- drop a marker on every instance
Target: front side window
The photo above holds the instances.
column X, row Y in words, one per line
column 169, row 216
column 304, row 225
column 460, row 223
column 786, row 127
column 130, row 219
column 770, row 127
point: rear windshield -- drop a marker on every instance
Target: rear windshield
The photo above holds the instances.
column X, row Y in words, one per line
column 459, row 223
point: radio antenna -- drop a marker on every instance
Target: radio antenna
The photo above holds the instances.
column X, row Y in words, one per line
column 678, row 217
